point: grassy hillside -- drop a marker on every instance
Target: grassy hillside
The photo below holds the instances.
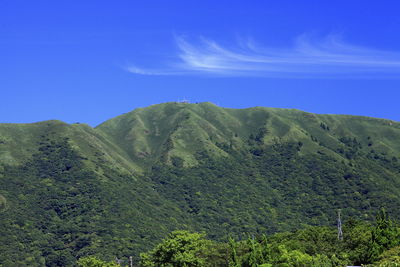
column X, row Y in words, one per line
column 162, row 131
column 68, row 191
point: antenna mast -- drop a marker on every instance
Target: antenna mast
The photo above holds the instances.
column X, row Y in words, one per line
column 339, row 226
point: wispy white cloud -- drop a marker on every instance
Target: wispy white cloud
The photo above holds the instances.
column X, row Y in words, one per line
column 327, row 57
column 142, row 71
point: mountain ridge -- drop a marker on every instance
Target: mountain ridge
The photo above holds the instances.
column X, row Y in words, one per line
column 118, row 188
column 137, row 134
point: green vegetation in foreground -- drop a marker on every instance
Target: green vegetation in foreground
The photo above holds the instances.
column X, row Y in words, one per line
column 72, row 191
column 377, row 245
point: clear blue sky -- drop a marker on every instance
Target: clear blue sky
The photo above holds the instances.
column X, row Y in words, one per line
column 88, row 61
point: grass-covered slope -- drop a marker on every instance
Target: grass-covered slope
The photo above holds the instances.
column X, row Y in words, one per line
column 160, row 132
column 68, row 191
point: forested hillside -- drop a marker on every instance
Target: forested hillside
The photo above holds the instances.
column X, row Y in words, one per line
column 69, row 190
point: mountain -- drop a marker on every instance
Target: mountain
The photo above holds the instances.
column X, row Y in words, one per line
column 70, row 190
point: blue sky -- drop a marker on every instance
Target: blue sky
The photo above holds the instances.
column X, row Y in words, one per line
column 88, row 61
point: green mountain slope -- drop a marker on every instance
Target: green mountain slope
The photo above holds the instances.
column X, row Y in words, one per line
column 68, row 191
column 162, row 131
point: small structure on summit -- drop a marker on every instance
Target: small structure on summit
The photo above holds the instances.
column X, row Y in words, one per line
column 184, row 101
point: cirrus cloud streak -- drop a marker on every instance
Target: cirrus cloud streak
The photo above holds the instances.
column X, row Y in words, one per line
column 308, row 58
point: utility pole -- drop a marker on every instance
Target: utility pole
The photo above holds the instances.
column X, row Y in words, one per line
column 130, row 261
column 339, row 226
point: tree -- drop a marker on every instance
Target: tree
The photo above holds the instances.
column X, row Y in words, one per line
column 179, row 249
column 384, row 235
column 257, row 254
column 92, row 261
column 357, row 241
column 389, row 258
column 293, row 258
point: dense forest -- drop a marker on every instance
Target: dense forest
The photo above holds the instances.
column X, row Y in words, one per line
column 362, row 244
column 222, row 187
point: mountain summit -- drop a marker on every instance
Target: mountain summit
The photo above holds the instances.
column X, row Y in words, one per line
column 121, row 186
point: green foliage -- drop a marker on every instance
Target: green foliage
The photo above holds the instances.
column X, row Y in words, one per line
column 291, row 258
column 389, row 258
column 3, row 203
column 92, row 261
column 69, row 191
column 357, row 240
column 257, row 254
column 180, row 249
column 384, row 236
column 315, row 247
column 60, row 210
column 275, row 186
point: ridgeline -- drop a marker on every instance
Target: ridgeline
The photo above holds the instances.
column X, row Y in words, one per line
column 70, row 190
